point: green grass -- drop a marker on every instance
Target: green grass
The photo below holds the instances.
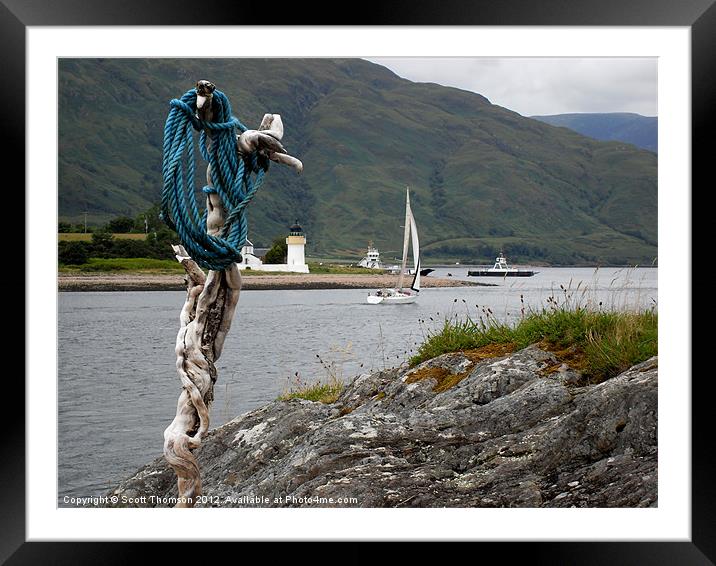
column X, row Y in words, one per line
column 82, row 237
column 253, row 272
column 315, row 268
column 599, row 343
column 326, row 390
column 143, row 265
column 319, row 392
column 342, row 269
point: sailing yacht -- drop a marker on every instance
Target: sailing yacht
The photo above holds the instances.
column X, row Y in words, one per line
column 400, row 295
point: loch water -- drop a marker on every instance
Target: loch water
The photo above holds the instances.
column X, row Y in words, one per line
column 118, row 387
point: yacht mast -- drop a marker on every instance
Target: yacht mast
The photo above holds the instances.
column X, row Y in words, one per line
column 406, row 238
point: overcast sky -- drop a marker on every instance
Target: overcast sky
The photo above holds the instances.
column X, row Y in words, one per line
column 538, row 86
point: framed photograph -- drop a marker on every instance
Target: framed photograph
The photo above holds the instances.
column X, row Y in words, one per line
column 483, row 113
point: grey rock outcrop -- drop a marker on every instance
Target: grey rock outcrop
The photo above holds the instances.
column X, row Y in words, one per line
column 511, row 432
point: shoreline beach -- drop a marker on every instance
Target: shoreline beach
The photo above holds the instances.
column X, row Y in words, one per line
column 175, row 282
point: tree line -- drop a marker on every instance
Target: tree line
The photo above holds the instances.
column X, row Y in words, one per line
column 145, row 222
column 156, row 245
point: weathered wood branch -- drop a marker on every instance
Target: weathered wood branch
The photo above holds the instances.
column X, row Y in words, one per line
column 267, row 141
column 204, row 322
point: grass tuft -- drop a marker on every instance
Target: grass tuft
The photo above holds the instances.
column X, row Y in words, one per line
column 320, row 392
column 598, row 343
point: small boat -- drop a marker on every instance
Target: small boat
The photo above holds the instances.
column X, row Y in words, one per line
column 399, row 295
column 501, row 269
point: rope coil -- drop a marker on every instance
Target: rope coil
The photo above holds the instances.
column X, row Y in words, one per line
column 234, row 178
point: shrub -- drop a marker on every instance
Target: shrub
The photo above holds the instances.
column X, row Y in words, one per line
column 131, row 248
column 102, row 243
column 120, row 225
column 160, row 242
column 278, row 252
column 73, row 253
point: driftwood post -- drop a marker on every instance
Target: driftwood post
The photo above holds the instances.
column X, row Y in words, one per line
column 208, row 311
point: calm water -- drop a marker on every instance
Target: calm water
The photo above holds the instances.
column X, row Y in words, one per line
column 117, row 381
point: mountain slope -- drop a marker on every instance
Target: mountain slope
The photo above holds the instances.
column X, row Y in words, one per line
column 482, row 177
column 618, row 126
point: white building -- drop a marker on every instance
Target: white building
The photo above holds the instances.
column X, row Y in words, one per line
column 248, row 259
column 296, row 260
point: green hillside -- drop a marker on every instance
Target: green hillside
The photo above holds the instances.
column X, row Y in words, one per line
column 482, row 177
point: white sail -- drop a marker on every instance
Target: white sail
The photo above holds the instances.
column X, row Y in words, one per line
column 416, row 252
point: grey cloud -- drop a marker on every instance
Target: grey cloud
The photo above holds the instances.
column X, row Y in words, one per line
column 539, row 85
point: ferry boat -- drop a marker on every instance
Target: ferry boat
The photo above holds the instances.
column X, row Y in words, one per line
column 371, row 259
column 501, row 269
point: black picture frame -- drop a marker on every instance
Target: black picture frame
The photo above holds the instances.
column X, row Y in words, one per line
column 699, row 15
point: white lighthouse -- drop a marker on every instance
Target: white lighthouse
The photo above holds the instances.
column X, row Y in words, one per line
column 295, row 257
column 296, row 242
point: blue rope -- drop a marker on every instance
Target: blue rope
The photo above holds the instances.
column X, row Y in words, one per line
column 234, row 179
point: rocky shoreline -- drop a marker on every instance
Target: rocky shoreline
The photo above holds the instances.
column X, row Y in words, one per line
column 175, row 282
column 469, row 429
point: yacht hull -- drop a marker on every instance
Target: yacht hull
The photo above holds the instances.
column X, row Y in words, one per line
column 391, row 299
